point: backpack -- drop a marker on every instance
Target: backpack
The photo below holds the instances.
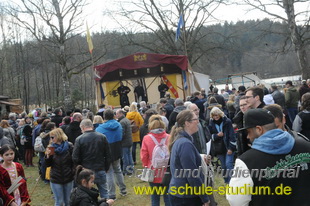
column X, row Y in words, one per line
column 134, row 127
column 160, row 155
column 38, row 145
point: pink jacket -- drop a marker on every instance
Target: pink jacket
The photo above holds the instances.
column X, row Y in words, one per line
column 147, row 151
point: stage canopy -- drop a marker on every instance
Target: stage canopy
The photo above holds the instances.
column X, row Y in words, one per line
column 141, row 65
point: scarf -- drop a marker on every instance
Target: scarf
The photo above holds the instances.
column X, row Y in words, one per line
column 157, row 131
column 61, row 148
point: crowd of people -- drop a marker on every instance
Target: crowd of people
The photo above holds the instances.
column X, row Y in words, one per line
column 249, row 128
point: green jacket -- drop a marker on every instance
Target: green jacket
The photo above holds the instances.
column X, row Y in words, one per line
column 291, row 97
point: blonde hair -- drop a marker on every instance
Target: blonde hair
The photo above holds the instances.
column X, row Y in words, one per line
column 4, row 124
column 216, row 111
column 133, row 108
column 97, row 119
column 58, row 134
column 156, row 122
column 183, row 116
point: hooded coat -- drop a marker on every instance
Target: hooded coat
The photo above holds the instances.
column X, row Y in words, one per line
column 113, row 130
column 139, row 122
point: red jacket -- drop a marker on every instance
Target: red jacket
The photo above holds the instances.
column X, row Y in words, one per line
column 6, row 182
column 147, row 151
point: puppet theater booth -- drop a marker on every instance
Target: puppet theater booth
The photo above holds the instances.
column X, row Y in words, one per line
column 147, row 70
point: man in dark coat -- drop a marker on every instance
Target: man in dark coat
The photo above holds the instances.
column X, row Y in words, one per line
column 74, row 130
column 122, row 92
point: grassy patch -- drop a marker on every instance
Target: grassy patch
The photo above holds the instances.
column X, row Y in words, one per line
column 42, row 193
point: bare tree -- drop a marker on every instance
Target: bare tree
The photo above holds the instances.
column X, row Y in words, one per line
column 53, row 23
column 151, row 25
column 296, row 14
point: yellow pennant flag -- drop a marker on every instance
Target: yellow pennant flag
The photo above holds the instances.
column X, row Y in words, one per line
column 89, row 41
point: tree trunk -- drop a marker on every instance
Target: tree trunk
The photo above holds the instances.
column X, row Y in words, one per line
column 300, row 47
column 66, row 89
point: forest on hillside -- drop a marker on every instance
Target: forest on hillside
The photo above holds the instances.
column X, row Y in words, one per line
column 55, row 67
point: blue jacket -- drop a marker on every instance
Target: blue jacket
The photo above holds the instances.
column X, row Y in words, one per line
column 185, row 156
column 112, row 129
column 229, row 133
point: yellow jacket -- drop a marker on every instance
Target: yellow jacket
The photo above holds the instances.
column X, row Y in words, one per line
column 139, row 122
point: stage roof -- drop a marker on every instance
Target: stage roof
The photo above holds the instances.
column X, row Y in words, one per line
column 141, row 65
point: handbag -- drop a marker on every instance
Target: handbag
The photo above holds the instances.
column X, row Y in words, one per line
column 148, row 175
column 219, row 147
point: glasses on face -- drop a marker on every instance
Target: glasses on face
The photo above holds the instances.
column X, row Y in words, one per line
column 193, row 120
column 52, row 137
column 243, row 105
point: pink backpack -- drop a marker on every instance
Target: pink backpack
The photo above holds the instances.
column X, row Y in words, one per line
column 160, row 155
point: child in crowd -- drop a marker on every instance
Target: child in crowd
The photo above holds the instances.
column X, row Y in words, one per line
column 84, row 194
column 14, row 169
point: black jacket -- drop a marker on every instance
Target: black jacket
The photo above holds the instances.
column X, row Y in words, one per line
column 127, row 134
column 57, row 120
column 92, row 151
column 62, row 170
column 82, row 196
column 73, row 131
column 173, row 116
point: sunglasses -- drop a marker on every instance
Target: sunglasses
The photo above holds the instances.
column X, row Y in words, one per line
column 52, row 137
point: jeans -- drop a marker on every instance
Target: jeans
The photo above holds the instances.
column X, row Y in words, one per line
column 101, row 182
column 178, row 201
column 227, row 164
column 155, row 198
column 115, row 171
column 62, row 193
column 292, row 112
column 134, row 147
column 127, row 160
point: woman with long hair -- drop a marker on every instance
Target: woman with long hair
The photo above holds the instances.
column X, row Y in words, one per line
column 60, row 160
column 136, row 120
column 157, row 133
column 185, row 157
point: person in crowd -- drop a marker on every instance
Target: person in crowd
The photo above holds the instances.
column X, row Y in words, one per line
column 157, row 133
column 8, row 131
column 135, row 118
column 123, row 92
column 126, row 142
column 57, row 118
column 212, row 102
column 28, row 146
column 113, row 131
column 197, row 99
column 278, row 96
column 162, row 88
column 184, row 155
column 179, row 106
column 254, row 97
column 139, row 93
column 19, row 141
column 37, row 129
column 101, row 110
column 65, row 123
column 227, row 89
column 169, row 99
column 169, row 108
column 219, row 98
column 62, row 169
column 74, row 130
column 241, row 137
column 230, row 106
column 12, row 121
column 291, row 100
column 143, row 106
column 241, row 92
column 4, row 140
column 224, row 140
column 302, row 120
column 225, row 94
column 84, row 194
column 162, row 112
column 303, row 89
column 28, row 121
column 92, row 151
column 271, row 148
column 15, row 170
column 268, row 98
column 144, row 129
column 98, row 120
column 202, row 136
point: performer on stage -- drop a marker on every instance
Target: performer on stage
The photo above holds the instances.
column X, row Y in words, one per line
column 162, row 88
column 139, row 93
column 123, row 91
